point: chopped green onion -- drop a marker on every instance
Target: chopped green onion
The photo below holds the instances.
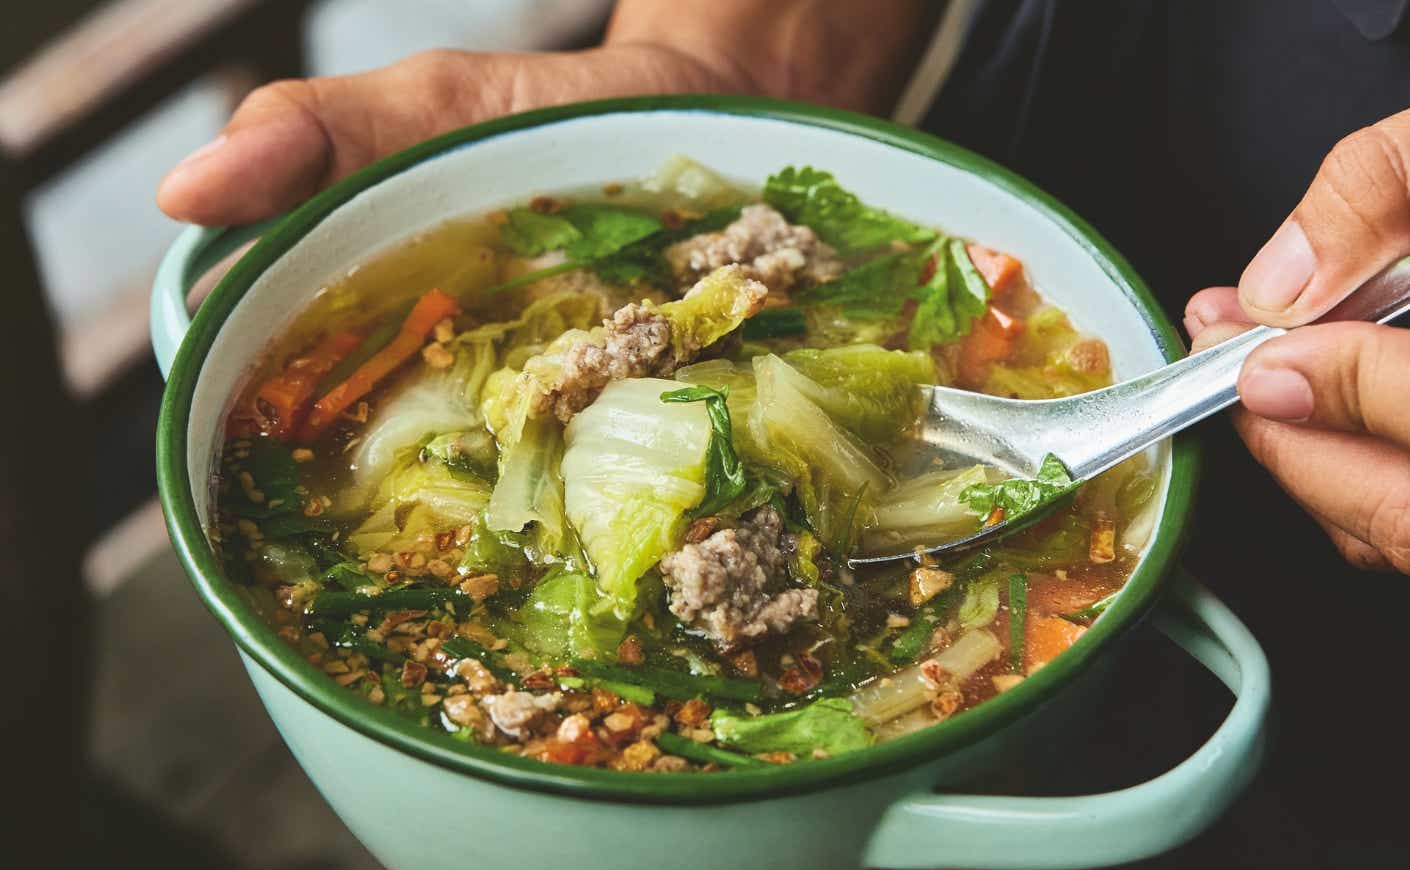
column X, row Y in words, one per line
column 775, row 323
column 671, row 684
column 337, row 604
column 704, row 753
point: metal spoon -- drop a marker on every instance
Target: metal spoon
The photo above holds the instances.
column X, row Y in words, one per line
column 1093, row 431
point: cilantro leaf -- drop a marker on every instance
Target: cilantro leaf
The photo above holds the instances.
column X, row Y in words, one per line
column 529, row 233
column 813, row 197
column 950, row 300
column 724, row 474
column 876, row 290
column 605, row 229
column 1017, row 496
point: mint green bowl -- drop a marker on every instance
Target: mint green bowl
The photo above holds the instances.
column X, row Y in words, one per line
column 422, row 799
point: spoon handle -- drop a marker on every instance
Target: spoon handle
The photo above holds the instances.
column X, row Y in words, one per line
column 1137, row 413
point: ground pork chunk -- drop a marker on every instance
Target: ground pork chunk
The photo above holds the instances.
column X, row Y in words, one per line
column 515, row 713
column 719, row 585
column 638, row 344
column 773, row 251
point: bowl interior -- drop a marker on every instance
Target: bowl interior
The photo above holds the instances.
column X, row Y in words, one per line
column 580, row 147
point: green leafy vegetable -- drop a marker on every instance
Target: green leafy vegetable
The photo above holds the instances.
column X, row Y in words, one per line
column 828, row 724
column 870, row 390
column 1018, row 617
column 813, row 197
column 339, row 604
column 981, row 602
column 1017, row 496
column 836, row 478
column 274, row 475
column 672, row 684
column 950, row 300
column 348, row 575
column 876, row 290
column 462, row 647
column 560, row 619
column 775, row 323
column 926, row 509
column 724, row 475
column 529, row 233
column 633, row 467
column 704, row 753
column 912, row 641
column 427, row 403
column 585, row 231
column 605, row 229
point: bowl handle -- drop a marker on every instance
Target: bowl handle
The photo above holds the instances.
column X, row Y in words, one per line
column 983, row 831
column 196, row 251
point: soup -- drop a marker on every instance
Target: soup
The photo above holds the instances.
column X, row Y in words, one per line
column 579, row 479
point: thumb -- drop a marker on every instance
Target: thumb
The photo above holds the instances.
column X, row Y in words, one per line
column 1347, row 376
column 289, row 139
column 1353, row 221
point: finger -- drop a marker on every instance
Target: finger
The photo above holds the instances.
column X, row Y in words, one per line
column 1355, row 551
column 290, row 138
column 1353, row 221
column 1358, row 482
column 1346, row 376
column 1216, row 333
column 1213, row 305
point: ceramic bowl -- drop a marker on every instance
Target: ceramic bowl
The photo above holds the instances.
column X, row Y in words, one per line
column 422, row 799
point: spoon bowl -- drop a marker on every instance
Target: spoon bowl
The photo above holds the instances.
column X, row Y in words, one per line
column 1094, row 431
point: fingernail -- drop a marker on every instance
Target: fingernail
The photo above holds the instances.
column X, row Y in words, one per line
column 1277, row 394
column 201, row 153
column 1275, row 278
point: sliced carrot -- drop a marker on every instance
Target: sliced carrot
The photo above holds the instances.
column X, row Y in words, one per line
column 999, row 270
column 1045, row 638
column 282, row 401
column 429, row 310
column 992, row 339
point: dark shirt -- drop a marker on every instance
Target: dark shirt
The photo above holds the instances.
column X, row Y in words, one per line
column 1185, row 131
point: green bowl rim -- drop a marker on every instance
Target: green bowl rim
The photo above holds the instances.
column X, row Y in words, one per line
column 258, row 640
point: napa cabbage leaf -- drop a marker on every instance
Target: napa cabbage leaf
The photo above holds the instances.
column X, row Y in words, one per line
column 925, row 510
column 563, row 618
column 632, row 469
column 835, row 476
column 870, row 390
column 419, row 495
column 828, row 724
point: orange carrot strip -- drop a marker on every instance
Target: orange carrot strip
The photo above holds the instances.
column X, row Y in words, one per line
column 1045, row 638
column 998, row 270
column 991, row 340
column 281, row 402
column 429, row 310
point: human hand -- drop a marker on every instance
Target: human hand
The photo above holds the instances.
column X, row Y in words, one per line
column 292, row 138
column 1326, row 408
